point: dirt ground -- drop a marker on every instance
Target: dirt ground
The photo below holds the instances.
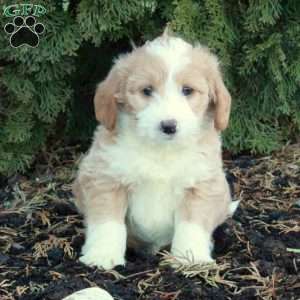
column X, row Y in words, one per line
column 257, row 252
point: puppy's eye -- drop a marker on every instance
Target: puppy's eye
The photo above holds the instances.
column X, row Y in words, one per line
column 186, row 90
column 147, row 91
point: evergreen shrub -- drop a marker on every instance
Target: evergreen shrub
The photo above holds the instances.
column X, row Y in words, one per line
column 47, row 91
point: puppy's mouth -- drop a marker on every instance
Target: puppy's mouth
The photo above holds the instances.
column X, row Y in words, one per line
column 169, row 137
column 171, row 140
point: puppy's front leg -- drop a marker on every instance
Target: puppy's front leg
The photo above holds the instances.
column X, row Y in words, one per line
column 191, row 243
column 202, row 210
column 104, row 208
column 105, row 245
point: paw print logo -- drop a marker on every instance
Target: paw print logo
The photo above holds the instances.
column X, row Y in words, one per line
column 24, row 31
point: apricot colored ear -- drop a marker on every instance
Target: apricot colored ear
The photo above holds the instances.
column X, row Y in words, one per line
column 105, row 100
column 222, row 101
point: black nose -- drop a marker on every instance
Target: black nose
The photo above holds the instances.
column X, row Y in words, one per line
column 168, row 126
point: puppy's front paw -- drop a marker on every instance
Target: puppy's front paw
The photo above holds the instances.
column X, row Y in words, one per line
column 105, row 259
column 191, row 245
column 190, row 257
column 105, row 245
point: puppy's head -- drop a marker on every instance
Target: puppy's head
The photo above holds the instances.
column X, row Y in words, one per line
column 168, row 89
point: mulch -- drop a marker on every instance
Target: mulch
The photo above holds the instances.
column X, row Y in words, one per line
column 257, row 251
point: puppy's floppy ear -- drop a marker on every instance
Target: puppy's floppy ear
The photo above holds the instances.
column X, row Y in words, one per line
column 222, row 102
column 105, row 100
column 220, row 97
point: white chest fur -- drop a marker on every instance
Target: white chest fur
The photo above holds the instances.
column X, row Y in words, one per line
column 158, row 176
column 151, row 212
column 134, row 161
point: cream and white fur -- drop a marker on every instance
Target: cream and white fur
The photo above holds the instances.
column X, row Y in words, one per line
column 140, row 186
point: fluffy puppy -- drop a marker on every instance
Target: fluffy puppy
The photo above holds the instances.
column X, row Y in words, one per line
column 153, row 175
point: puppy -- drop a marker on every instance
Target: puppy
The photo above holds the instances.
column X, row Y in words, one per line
column 153, row 175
